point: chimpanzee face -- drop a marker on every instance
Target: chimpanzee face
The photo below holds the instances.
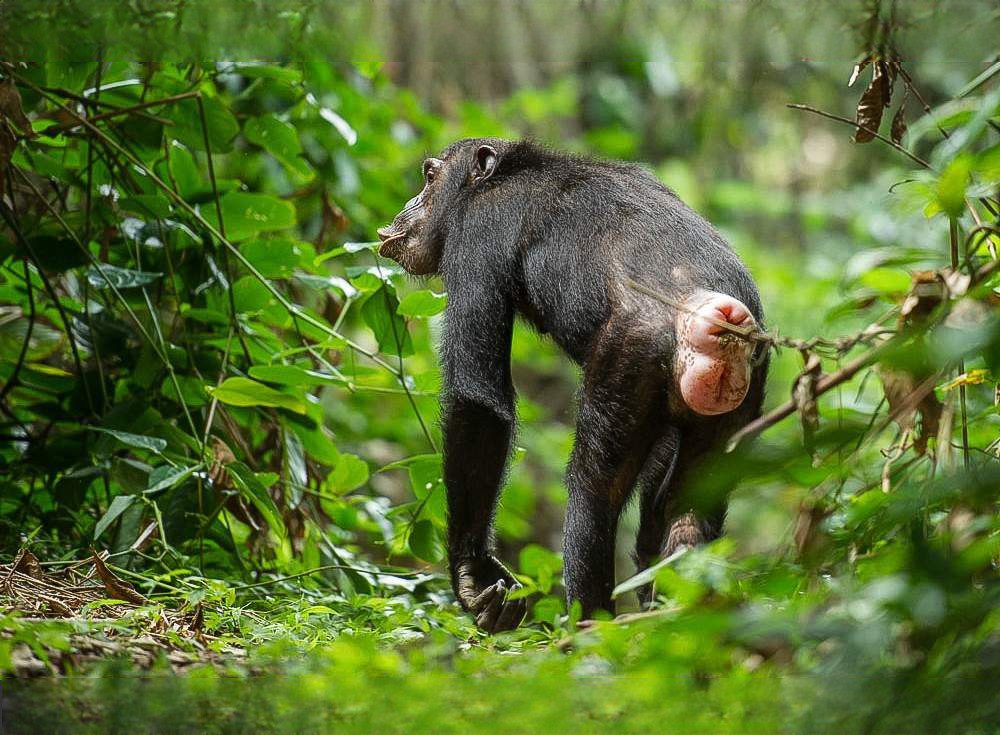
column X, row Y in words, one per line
column 415, row 238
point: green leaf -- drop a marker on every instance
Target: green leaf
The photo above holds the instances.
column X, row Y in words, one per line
column 147, row 205
column 350, row 472
column 379, row 313
column 886, row 280
column 184, row 171
column 100, row 275
column 246, row 392
column 247, row 214
column 220, row 122
column 166, row 476
column 541, row 564
column 425, row 542
column 951, row 186
column 150, row 443
column 274, row 258
column 293, row 375
column 252, row 489
column 119, row 504
column 422, row 303
column 192, row 391
column 249, row 294
column 279, row 139
column 260, row 70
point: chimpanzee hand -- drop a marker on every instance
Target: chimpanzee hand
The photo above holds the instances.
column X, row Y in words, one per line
column 482, row 585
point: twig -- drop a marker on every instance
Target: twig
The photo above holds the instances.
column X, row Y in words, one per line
column 953, row 238
column 874, row 133
column 8, row 217
column 755, row 334
column 222, row 226
column 119, row 111
column 749, row 333
column 291, row 308
column 824, row 384
column 12, row 380
column 325, row 567
column 399, row 355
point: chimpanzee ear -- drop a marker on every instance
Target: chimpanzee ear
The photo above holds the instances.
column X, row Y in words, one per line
column 486, row 162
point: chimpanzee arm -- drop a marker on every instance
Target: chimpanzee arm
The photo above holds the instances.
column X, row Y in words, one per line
column 478, row 418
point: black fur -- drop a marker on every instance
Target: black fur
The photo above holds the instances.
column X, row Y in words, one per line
column 551, row 237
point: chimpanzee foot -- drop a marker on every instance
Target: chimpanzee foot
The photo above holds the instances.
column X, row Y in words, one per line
column 685, row 532
column 713, row 364
column 482, row 586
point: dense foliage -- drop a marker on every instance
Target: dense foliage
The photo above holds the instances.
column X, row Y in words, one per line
column 211, row 379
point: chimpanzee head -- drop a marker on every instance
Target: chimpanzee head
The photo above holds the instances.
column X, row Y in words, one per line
column 415, row 239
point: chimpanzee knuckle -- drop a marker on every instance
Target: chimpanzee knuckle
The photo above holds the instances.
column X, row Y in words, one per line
column 484, row 598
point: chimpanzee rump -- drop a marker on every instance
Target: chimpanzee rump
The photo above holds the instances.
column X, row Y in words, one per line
column 516, row 229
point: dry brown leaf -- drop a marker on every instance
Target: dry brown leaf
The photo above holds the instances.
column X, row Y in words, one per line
column 10, row 108
column 27, row 563
column 872, row 104
column 808, row 535
column 898, row 129
column 908, row 396
column 117, row 588
column 221, row 456
column 804, row 395
column 8, row 142
column 858, row 68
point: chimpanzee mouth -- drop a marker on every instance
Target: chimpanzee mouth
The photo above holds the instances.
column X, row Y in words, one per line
column 391, row 240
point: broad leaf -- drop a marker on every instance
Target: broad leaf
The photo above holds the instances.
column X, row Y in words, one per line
column 119, row 504
column 422, row 303
column 293, row 375
column 247, row 214
column 349, row 473
column 246, row 392
column 255, row 491
column 425, row 542
column 139, row 441
column 167, row 476
column 279, row 139
column 105, row 276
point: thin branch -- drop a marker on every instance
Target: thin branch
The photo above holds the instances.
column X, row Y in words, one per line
column 164, row 357
column 291, row 308
column 12, row 380
column 222, row 227
column 8, row 217
column 120, row 111
column 953, row 239
column 324, row 568
column 825, row 383
column 754, row 333
column 874, row 133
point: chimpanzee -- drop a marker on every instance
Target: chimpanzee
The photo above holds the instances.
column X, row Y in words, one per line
column 516, row 229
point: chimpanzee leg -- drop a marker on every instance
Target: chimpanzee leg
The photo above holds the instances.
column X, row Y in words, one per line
column 624, row 391
column 656, row 474
column 667, row 521
column 701, row 443
column 672, row 506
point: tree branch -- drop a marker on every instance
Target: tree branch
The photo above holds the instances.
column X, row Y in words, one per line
column 875, row 133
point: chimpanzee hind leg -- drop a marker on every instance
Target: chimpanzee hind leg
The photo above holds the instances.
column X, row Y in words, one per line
column 624, row 394
column 702, row 443
column 667, row 521
column 656, row 474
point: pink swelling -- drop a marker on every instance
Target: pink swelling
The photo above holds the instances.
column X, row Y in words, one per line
column 712, row 364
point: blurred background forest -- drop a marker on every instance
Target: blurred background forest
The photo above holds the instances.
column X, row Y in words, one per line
column 210, row 380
